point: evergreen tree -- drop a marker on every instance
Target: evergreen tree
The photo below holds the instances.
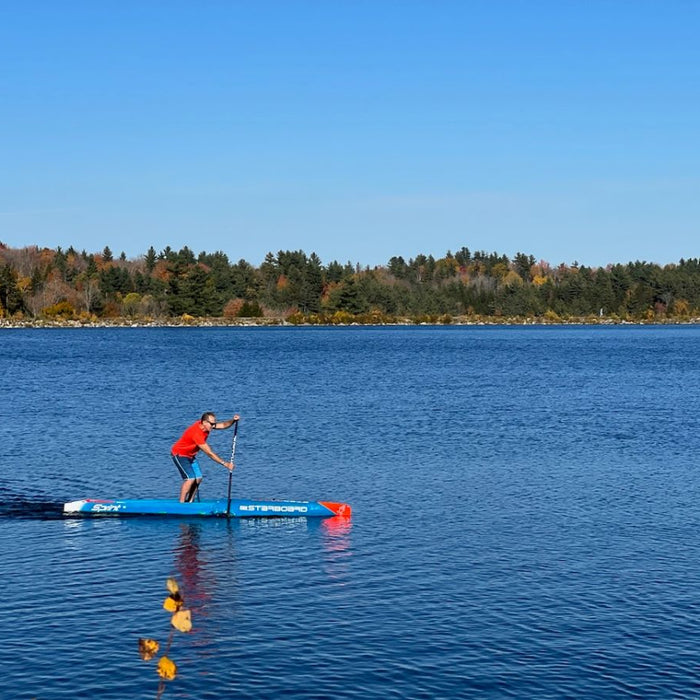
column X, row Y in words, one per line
column 150, row 260
column 60, row 263
column 522, row 264
column 335, row 272
column 463, row 256
column 10, row 296
column 398, row 267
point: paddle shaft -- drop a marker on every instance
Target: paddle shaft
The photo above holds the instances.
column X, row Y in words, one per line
column 230, row 474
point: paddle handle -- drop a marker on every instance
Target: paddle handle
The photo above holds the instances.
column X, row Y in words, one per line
column 230, row 474
column 233, row 443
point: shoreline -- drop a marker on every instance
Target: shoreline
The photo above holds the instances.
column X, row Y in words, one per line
column 279, row 322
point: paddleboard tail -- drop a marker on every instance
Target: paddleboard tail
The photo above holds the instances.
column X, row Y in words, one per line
column 342, row 509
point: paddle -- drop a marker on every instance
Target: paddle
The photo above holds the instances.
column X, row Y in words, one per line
column 230, row 474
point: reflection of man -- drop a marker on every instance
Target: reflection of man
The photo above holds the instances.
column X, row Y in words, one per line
column 187, row 560
column 196, row 588
column 184, row 452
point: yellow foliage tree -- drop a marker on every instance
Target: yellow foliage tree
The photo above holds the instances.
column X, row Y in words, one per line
column 131, row 303
column 681, row 308
column 513, row 279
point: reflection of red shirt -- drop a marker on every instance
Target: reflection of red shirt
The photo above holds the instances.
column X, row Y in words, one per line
column 189, row 443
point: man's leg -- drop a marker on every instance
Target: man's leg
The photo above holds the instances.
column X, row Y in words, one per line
column 185, row 490
column 193, row 491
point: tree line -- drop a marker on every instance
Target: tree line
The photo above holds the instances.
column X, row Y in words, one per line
column 57, row 284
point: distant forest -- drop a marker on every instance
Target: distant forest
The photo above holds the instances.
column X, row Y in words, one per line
column 47, row 284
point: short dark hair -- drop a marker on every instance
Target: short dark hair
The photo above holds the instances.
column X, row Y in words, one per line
column 208, row 415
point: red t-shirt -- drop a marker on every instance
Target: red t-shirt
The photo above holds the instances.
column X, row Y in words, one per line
column 190, row 441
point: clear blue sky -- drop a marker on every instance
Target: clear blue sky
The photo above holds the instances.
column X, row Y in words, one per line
column 356, row 129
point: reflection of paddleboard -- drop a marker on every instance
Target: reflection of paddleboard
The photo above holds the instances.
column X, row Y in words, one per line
column 240, row 508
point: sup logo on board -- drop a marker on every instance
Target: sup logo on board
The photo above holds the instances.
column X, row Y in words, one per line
column 106, row 508
column 259, row 508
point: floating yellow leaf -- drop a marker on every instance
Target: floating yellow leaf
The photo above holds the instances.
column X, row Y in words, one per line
column 172, row 604
column 172, row 586
column 167, row 669
column 148, row 648
column 182, row 620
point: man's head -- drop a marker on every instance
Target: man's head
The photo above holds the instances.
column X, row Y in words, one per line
column 208, row 421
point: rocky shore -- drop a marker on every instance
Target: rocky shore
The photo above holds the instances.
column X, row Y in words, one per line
column 6, row 323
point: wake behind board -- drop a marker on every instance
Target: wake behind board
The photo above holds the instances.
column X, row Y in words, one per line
column 240, row 508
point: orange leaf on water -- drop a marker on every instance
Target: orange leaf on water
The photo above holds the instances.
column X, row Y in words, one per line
column 172, row 604
column 182, row 620
column 148, row 648
column 167, row 669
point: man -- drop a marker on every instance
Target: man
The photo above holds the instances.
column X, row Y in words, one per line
column 184, row 452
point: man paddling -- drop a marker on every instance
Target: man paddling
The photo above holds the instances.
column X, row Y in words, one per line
column 184, row 452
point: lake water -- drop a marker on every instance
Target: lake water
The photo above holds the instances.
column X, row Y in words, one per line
column 526, row 520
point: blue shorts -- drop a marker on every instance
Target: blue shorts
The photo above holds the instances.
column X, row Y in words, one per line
column 187, row 466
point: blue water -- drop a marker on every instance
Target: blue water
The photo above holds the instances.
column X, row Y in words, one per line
column 525, row 512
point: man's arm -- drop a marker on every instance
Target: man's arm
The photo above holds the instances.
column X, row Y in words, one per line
column 223, row 424
column 209, row 452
